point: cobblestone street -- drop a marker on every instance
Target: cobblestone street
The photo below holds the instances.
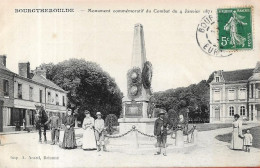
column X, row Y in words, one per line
column 19, row 149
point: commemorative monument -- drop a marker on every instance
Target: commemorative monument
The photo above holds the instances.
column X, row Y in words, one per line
column 139, row 77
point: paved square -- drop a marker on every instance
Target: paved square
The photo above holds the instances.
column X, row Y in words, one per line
column 20, row 149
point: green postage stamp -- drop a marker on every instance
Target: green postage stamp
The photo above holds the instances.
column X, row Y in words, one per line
column 235, row 28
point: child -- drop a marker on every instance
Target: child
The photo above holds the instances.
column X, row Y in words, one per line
column 248, row 138
column 160, row 131
column 99, row 131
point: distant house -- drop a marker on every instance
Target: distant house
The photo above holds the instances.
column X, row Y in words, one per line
column 25, row 91
column 235, row 92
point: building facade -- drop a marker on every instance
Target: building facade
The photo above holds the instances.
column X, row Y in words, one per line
column 28, row 90
column 235, row 92
column 6, row 93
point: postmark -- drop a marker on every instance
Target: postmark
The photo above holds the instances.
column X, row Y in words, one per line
column 235, row 28
column 207, row 38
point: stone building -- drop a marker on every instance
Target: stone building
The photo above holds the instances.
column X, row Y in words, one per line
column 26, row 90
column 235, row 92
column 6, row 93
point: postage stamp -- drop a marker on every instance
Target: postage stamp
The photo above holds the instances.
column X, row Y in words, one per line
column 235, row 28
column 207, row 38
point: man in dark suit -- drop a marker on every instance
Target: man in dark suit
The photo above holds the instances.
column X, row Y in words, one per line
column 160, row 131
column 55, row 125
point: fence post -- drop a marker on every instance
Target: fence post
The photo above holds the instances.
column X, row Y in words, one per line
column 195, row 136
column 179, row 141
column 136, row 139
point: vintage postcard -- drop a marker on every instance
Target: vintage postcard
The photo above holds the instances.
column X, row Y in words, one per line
column 112, row 83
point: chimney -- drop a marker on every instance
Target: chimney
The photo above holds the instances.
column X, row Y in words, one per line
column 3, row 60
column 40, row 71
column 138, row 52
column 24, row 69
column 257, row 67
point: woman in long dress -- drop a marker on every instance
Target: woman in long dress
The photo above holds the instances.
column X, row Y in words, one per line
column 237, row 135
column 69, row 141
column 89, row 141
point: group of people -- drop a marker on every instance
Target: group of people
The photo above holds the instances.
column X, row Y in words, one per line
column 93, row 130
column 93, row 134
column 239, row 140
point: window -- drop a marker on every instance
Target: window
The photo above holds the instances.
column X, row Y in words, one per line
column 217, row 79
column 63, row 100
column 57, row 99
column 49, row 97
column 231, row 111
column 216, row 95
column 252, row 111
column 252, row 91
column 20, row 91
column 242, row 93
column 6, row 87
column 242, row 110
column 40, row 96
column 231, row 94
column 31, row 93
column 217, row 114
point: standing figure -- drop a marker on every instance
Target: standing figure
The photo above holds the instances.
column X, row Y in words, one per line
column 55, row 125
column 40, row 119
column 231, row 26
column 160, row 131
column 248, row 140
column 89, row 141
column 69, row 141
column 24, row 124
column 99, row 132
column 237, row 136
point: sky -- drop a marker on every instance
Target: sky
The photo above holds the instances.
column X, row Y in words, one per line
column 107, row 38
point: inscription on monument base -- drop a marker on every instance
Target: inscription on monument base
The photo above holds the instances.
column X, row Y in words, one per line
column 134, row 110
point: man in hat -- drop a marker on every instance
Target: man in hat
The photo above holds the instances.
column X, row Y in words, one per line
column 160, row 131
column 99, row 132
column 55, row 125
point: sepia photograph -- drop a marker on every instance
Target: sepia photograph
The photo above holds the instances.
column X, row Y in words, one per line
column 112, row 83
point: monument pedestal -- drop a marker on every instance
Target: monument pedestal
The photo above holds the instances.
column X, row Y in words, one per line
column 145, row 125
column 134, row 138
column 135, row 114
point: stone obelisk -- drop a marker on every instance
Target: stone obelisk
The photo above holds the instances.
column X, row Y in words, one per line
column 138, row 52
column 135, row 104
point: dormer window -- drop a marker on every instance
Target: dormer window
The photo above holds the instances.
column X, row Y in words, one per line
column 217, row 79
